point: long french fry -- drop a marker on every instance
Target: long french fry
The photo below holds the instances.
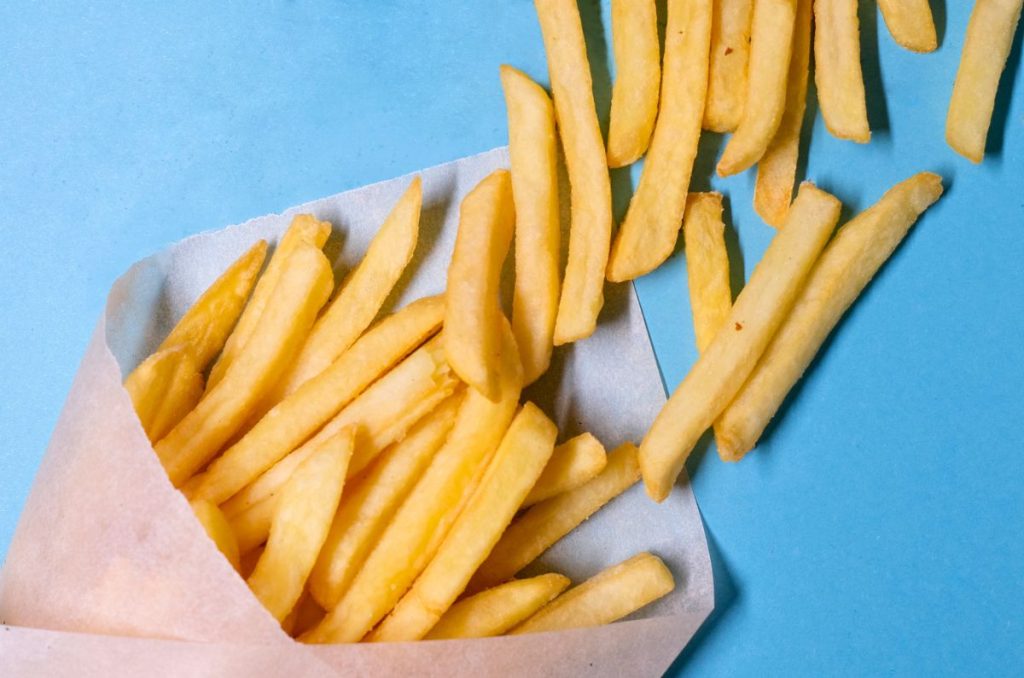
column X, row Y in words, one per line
column 986, row 49
column 844, row 269
column 573, row 463
column 837, row 71
column 163, row 389
column 707, row 266
column 911, row 24
column 218, row 529
column 771, row 45
column 637, row 77
column 532, row 150
column 649, row 232
column 591, row 230
column 721, row 370
column 184, row 392
column 727, row 75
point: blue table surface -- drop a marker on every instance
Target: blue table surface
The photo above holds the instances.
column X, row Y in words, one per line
column 877, row 529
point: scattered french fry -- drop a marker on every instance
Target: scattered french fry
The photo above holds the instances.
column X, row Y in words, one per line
column 637, row 78
column 911, row 24
column 163, row 389
column 572, row 464
column 707, row 266
column 218, row 529
column 727, row 75
column 837, row 71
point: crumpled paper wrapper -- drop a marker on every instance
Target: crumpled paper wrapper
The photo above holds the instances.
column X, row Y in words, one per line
column 110, row 574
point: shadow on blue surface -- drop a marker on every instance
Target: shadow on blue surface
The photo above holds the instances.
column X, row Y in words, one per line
column 1004, row 97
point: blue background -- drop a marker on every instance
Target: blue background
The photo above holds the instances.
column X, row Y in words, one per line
column 877, row 529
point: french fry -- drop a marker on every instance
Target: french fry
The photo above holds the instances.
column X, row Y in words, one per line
column 844, row 269
column 248, row 560
column 532, row 149
column 727, row 75
column 547, row 522
column 771, row 46
column 517, row 463
column 721, row 370
column 604, row 598
column 299, row 415
column 637, row 77
column 301, row 520
column 412, row 538
column 472, row 317
column 218, row 529
column 707, row 266
column 649, row 232
column 305, row 615
column 372, row 501
column 986, row 49
column 776, row 171
column 572, row 464
column 837, row 71
column 496, row 610
column 911, row 24
column 251, row 527
column 163, row 389
column 591, row 230
column 303, row 289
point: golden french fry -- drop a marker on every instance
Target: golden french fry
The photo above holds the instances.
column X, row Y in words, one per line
column 218, row 529
column 183, row 394
column 496, row 610
column 299, row 415
column 776, row 171
column 472, row 317
column 727, row 74
column 303, row 289
column 301, row 520
column 637, row 77
column 251, row 527
column 547, row 522
column 533, row 154
column 649, row 232
column 844, row 269
column 305, row 615
column 837, row 71
column 573, row 463
column 771, row 45
column 707, row 266
column 986, row 49
column 518, row 462
column 163, row 389
column 604, row 598
column 591, row 230
column 412, row 538
column 911, row 24
column 304, row 229
column 721, row 370
column 248, row 560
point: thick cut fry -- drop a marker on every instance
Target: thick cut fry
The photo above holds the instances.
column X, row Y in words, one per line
column 472, row 317
column 604, row 598
column 303, row 289
column 372, row 501
column 727, row 76
column 651, row 228
column 911, row 24
column 251, row 527
column 707, row 266
column 591, row 230
column 299, row 415
column 163, row 389
column 533, row 154
column 218, row 529
column 496, row 610
column 771, row 46
column 301, row 520
column 637, row 77
column 842, row 272
column 721, row 370
column 573, row 463
column 304, row 229
column 776, row 171
column 547, row 522
column 986, row 48
column 518, row 462
column 412, row 538
column 837, row 71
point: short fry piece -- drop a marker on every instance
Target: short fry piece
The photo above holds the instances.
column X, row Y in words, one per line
column 911, row 24
column 727, row 78
column 637, row 77
column 837, row 71
column 986, row 49
column 604, row 598
column 163, row 389
column 707, row 266
column 721, row 370
column 843, row 271
column 218, row 529
column 573, row 463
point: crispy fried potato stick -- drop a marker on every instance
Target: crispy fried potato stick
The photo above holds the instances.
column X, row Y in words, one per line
column 591, row 230
column 727, row 77
column 651, row 228
column 303, row 289
column 547, row 522
column 301, row 520
column 299, row 415
column 532, row 149
column 472, row 317
column 637, row 77
column 986, row 49
column 771, row 45
column 218, row 529
column 843, row 271
column 518, row 462
column 496, row 610
column 707, row 266
column 248, row 561
column 305, row 615
column 163, row 389
column 574, row 462
column 911, row 24
column 721, row 370
column 604, row 598
column 251, row 527
column 776, row 171
column 837, row 71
